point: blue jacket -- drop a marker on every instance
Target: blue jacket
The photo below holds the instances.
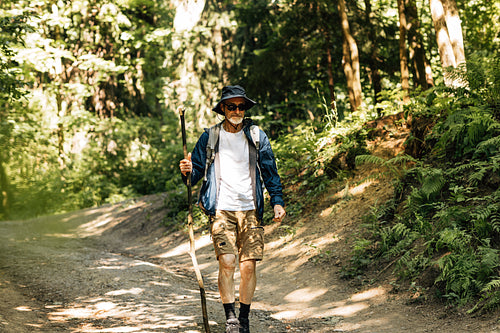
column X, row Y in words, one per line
column 265, row 168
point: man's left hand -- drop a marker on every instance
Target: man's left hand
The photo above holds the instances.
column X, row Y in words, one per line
column 279, row 213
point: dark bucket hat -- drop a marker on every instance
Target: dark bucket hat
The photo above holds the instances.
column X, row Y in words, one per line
column 231, row 92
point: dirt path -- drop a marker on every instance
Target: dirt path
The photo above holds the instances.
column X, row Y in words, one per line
column 113, row 269
column 118, row 269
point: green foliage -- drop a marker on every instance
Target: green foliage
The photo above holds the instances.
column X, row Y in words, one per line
column 396, row 166
column 465, row 272
column 448, row 216
column 300, row 168
column 99, row 126
column 11, row 28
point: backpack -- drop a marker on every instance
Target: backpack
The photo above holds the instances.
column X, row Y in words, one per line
column 213, row 138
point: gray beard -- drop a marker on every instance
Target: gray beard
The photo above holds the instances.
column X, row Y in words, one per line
column 236, row 120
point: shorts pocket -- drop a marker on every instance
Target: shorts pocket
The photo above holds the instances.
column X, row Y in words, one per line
column 256, row 235
column 217, row 228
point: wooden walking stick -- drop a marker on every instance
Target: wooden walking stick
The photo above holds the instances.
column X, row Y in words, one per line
column 192, row 249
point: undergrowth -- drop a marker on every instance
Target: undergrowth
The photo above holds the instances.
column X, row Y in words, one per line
column 441, row 230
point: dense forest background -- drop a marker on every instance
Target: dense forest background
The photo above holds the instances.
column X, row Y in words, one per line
column 89, row 92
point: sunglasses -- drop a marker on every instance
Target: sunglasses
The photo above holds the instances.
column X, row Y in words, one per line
column 233, row 107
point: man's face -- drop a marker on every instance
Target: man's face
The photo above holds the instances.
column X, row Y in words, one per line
column 234, row 109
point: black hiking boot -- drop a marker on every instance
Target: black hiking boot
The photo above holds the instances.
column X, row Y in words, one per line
column 244, row 325
column 233, row 326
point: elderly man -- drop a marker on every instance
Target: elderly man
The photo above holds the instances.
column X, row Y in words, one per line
column 232, row 196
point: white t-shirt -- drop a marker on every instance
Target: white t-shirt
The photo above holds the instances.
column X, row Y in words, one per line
column 235, row 193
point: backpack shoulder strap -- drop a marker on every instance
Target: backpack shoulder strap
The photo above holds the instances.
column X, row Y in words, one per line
column 213, row 138
column 255, row 134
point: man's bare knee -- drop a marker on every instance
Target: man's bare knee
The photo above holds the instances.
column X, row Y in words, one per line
column 247, row 267
column 227, row 262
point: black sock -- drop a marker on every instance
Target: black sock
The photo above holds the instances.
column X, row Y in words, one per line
column 229, row 308
column 244, row 310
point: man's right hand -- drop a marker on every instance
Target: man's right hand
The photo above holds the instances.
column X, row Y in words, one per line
column 186, row 166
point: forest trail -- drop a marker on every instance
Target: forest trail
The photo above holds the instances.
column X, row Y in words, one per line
column 112, row 269
column 116, row 268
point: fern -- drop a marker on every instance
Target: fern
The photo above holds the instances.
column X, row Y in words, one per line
column 488, row 148
column 491, row 286
column 453, row 239
column 478, row 175
column 484, row 212
column 432, row 183
column 396, row 239
column 450, row 206
column 495, row 221
column 411, row 266
column 396, row 165
column 464, row 129
column 490, row 299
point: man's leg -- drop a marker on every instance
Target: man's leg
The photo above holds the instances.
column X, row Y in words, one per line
column 248, row 280
column 227, row 266
column 247, row 289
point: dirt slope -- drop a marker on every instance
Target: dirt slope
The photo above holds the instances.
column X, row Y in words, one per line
column 117, row 269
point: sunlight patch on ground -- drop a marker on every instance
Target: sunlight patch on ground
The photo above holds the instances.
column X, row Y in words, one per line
column 348, row 191
column 290, row 314
column 163, row 284
column 301, row 250
column 371, row 293
column 305, row 294
column 24, row 309
column 91, row 329
column 34, row 325
column 360, row 188
column 130, row 315
column 117, row 263
column 327, row 211
column 61, row 235
column 83, row 312
column 104, row 222
column 184, row 247
column 97, row 226
column 132, row 291
column 335, row 309
column 77, row 215
column 347, row 310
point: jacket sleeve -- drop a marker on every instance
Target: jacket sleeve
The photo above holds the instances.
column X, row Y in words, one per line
column 198, row 158
column 269, row 171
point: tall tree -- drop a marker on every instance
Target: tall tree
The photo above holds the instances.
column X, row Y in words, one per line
column 420, row 65
column 452, row 19
column 323, row 17
column 331, row 81
column 374, row 58
column 403, row 56
column 448, row 35
column 350, row 60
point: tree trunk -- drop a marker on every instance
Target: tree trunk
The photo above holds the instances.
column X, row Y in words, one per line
column 61, row 113
column 346, row 63
column 403, row 57
column 374, row 61
column 417, row 57
column 331, row 81
column 455, row 30
column 428, row 73
column 444, row 37
column 4, row 193
column 350, row 60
